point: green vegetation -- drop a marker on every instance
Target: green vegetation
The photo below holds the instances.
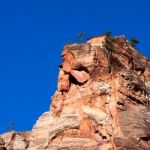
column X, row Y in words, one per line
column 107, row 33
column 134, row 41
column 80, row 37
column 109, row 47
column 10, row 126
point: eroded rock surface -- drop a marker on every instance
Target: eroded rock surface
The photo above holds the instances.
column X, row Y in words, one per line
column 2, row 144
column 15, row 140
column 102, row 101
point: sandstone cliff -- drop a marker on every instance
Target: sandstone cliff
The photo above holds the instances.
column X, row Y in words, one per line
column 102, row 101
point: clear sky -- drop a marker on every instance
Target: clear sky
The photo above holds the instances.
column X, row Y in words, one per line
column 32, row 35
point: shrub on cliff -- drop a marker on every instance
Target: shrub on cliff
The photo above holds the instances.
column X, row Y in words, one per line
column 10, row 126
column 80, row 37
column 134, row 41
column 108, row 33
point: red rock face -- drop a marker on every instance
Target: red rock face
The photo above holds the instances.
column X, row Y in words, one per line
column 102, row 101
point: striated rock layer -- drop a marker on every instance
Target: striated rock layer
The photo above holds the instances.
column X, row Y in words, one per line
column 15, row 140
column 102, row 101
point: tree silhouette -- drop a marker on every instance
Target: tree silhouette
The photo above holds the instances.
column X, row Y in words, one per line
column 80, row 36
column 134, row 41
column 10, row 125
column 108, row 33
column 109, row 47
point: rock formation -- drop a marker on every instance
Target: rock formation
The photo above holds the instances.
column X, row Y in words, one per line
column 2, row 144
column 15, row 140
column 102, row 101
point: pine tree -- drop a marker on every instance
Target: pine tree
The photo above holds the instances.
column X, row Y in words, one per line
column 10, row 126
column 134, row 41
column 81, row 36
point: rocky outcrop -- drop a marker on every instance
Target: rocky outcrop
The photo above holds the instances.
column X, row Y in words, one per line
column 102, row 101
column 2, row 144
column 15, row 140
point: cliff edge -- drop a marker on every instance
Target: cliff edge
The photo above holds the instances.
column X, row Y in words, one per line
column 102, row 101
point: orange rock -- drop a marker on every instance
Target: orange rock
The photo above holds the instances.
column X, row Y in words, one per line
column 80, row 76
column 63, row 81
column 102, row 101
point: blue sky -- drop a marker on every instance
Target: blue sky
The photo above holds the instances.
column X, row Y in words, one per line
column 32, row 35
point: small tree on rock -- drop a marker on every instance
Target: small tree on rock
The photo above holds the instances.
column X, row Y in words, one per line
column 10, row 126
column 80, row 36
column 108, row 33
column 134, row 41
